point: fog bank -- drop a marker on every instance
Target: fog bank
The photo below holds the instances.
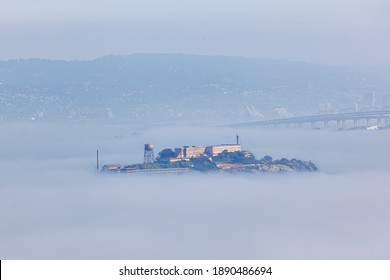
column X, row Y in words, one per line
column 53, row 204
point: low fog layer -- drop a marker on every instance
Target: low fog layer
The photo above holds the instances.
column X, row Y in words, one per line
column 53, row 204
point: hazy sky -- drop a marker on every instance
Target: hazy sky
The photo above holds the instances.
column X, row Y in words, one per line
column 348, row 31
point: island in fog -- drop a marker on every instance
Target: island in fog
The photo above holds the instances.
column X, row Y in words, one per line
column 218, row 158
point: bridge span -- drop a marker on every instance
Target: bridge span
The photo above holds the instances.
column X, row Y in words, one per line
column 341, row 120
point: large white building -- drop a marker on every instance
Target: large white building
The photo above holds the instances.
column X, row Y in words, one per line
column 210, row 151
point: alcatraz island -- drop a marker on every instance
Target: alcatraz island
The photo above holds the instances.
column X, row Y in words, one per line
column 216, row 158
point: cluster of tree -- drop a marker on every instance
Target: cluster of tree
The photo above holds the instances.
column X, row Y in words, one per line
column 203, row 164
column 237, row 157
column 166, row 154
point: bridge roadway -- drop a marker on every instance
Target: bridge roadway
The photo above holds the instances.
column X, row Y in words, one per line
column 315, row 121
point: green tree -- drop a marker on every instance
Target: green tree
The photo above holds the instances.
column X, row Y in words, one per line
column 243, row 157
column 166, row 153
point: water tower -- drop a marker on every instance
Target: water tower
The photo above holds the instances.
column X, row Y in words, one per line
column 148, row 153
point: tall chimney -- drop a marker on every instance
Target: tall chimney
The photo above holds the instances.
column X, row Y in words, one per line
column 238, row 139
column 97, row 160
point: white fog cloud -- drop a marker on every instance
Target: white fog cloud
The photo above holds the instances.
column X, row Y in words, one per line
column 54, row 206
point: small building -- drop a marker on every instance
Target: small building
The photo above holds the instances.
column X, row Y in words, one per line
column 112, row 167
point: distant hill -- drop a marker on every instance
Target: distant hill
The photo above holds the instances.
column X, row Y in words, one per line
column 174, row 87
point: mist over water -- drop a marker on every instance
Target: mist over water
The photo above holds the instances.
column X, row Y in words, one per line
column 53, row 204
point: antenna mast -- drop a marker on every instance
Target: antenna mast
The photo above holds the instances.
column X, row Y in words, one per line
column 97, row 160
